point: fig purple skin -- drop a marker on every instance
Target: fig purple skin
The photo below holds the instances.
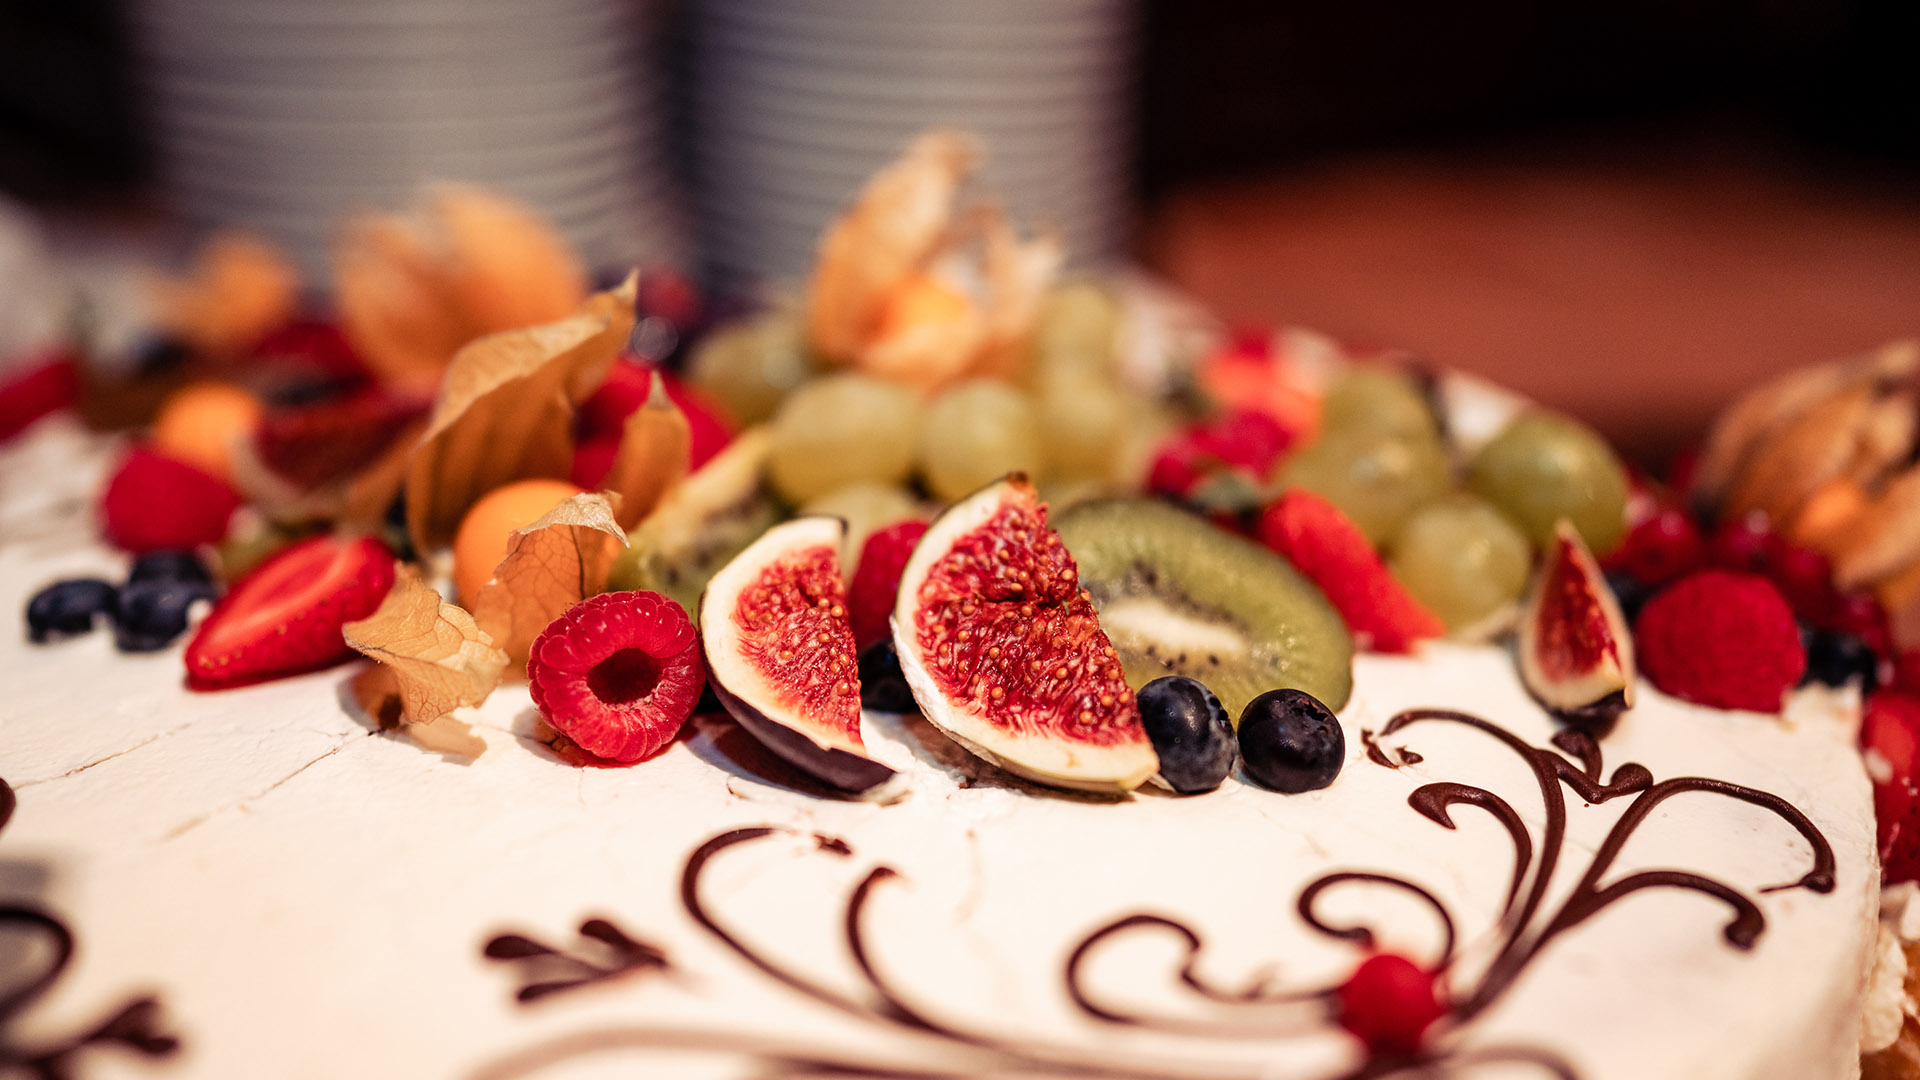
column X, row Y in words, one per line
column 848, row 772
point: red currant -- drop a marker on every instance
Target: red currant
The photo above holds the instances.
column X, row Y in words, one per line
column 1388, row 1003
column 1665, row 546
column 1742, row 543
column 1805, row 578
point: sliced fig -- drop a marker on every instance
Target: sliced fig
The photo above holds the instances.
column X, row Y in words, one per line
column 1576, row 652
column 780, row 653
column 1004, row 651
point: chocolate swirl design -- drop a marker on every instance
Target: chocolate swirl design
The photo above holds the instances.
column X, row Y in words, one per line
column 135, row 1025
column 1524, row 931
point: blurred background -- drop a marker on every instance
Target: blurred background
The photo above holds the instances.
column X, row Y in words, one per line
column 1629, row 210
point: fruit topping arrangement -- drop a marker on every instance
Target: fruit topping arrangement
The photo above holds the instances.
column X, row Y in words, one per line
column 1093, row 543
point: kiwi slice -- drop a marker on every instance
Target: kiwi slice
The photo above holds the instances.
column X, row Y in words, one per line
column 707, row 519
column 1180, row 597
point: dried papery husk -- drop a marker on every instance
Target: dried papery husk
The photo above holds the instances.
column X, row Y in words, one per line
column 434, row 659
column 412, row 289
column 929, row 334
column 1018, row 277
column 1751, row 425
column 1884, row 537
column 394, row 307
column 505, row 265
column 239, row 287
column 655, row 448
column 1804, row 455
column 550, row 565
column 894, row 225
column 505, row 411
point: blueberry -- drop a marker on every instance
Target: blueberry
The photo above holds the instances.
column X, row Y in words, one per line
column 1630, row 591
column 883, row 688
column 170, row 565
column 1291, row 742
column 154, row 613
column 1835, row 658
column 66, row 608
column 1190, row 731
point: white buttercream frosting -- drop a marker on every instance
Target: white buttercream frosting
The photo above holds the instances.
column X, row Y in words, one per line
column 310, row 899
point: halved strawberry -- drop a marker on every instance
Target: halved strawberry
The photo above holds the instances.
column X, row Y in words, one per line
column 1322, row 543
column 47, row 386
column 1890, row 734
column 313, row 443
column 286, row 616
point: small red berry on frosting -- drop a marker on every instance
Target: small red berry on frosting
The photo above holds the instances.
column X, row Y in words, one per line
column 1723, row 639
column 155, row 502
column 619, row 673
column 1664, row 545
column 1743, row 543
column 1388, row 1003
column 876, row 581
column 1334, row 554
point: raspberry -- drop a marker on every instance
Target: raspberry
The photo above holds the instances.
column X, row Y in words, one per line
column 1665, row 545
column 876, row 581
column 154, row 502
column 1331, row 550
column 41, row 389
column 619, row 673
column 1890, row 735
column 1388, row 1003
column 1721, row 638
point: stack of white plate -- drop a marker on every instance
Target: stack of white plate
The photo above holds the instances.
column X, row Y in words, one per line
column 793, row 105
column 286, row 115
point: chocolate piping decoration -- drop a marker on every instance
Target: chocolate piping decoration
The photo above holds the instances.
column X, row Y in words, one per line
column 1574, row 763
column 136, row 1025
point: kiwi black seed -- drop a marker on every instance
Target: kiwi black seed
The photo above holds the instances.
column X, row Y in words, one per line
column 1178, row 596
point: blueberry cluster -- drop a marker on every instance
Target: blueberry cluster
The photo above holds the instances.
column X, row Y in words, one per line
column 147, row 613
column 1287, row 739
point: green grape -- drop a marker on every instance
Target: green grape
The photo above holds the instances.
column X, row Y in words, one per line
column 1079, row 329
column 1376, row 478
column 976, row 432
column 1461, row 558
column 865, row 507
column 840, row 430
column 1082, row 420
column 1543, row 467
column 1379, row 399
column 752, row 365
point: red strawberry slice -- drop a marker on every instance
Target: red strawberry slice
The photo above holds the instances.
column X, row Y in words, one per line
column 876, row 581
column 155, row 502
column 1333, row 553
column 45, row 387
column 285, row 617
column 325, row 440
column 1890, row 734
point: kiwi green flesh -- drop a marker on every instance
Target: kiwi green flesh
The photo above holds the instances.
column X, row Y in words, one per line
column 1178, row 596
column 678, row 558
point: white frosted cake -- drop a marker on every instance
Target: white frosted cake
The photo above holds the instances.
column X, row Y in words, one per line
column 295, row 894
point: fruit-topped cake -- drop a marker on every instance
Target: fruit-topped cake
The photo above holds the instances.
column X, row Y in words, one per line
column 950, row 671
